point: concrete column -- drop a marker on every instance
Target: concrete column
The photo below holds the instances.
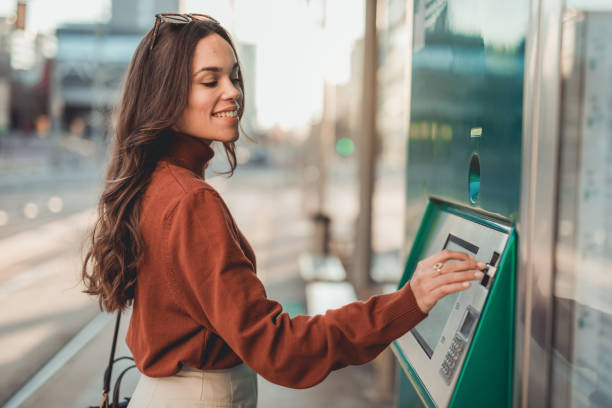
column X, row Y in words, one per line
column 366, row 151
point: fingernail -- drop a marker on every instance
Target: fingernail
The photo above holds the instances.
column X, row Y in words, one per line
column 481, row 265
column 466, row 284
column 478, row 274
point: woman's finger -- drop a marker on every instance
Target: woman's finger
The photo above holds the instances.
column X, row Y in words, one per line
column 457, row 277
column 444, row 290
column 459, row 266
column 448, row 255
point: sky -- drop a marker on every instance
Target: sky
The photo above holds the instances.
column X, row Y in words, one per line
column 294, row 52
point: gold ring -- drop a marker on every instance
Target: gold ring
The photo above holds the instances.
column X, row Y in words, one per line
column 438, row 266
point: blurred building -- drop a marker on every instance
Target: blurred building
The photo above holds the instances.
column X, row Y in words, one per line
column 25, row 67
column 139, row 14
column 393, row 81
column 92, row 60
column 31, row 68
column 90, row 65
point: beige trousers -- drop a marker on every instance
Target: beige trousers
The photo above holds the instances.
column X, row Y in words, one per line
column 193, row 388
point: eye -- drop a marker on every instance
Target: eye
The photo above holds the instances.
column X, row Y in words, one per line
column 236, row 80
column 210, row 84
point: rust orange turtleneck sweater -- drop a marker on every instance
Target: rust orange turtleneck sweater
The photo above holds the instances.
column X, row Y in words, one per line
column 199, row 302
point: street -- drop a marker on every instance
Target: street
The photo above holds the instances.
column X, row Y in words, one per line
column 40, row 290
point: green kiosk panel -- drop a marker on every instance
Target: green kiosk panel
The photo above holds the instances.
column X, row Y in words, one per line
column 435, row 354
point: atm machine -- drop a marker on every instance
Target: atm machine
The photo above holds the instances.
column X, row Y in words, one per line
column 445, row 357
column 463, row 189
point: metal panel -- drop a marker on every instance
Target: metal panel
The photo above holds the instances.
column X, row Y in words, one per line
column 538, row 204
column 466, row 100
column 522, row 324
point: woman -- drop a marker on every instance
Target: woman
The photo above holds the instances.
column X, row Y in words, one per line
column 201, row 324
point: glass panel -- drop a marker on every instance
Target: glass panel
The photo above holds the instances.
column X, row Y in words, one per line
column 582, row 342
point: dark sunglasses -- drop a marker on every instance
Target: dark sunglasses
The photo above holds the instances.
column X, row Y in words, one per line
column 174, row 18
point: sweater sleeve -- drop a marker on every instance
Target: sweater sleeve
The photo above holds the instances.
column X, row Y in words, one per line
column 218, row 288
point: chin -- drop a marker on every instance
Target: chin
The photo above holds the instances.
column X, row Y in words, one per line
column 231, row 139
column 223, row 139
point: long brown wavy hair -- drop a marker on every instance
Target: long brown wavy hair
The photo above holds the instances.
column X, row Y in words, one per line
column 155, row 94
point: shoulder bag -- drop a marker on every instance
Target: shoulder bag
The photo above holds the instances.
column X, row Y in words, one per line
column 108, row 372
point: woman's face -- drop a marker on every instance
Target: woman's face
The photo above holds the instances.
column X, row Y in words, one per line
column 214, row 96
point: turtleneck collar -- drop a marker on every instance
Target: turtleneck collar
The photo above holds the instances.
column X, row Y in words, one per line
column 189, row 152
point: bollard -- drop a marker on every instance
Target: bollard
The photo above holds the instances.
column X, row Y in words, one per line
column 321, row 233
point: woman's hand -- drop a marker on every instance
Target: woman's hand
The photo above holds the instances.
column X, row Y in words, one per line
column 435, row 277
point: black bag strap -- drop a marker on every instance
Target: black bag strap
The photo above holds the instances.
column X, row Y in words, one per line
column 109, row 368
column 117, row 389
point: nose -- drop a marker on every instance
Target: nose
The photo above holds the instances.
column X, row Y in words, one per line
column 231, row 90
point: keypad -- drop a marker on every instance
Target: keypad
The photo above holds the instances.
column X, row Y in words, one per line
column 452, row 358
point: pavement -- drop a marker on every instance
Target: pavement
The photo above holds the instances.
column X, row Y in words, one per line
column 55, row 343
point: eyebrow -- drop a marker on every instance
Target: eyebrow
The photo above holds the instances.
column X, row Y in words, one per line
column 214, row 69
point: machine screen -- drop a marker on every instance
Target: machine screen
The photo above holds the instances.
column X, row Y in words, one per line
column 428, row 332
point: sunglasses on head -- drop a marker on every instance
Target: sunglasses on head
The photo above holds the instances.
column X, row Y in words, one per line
column 174, row 18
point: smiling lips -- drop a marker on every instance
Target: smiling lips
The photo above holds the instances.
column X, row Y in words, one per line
column 226, row 114
column 229, row 114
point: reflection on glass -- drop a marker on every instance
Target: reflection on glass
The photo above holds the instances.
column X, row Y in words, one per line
column 467, row 73
column 582, row 341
